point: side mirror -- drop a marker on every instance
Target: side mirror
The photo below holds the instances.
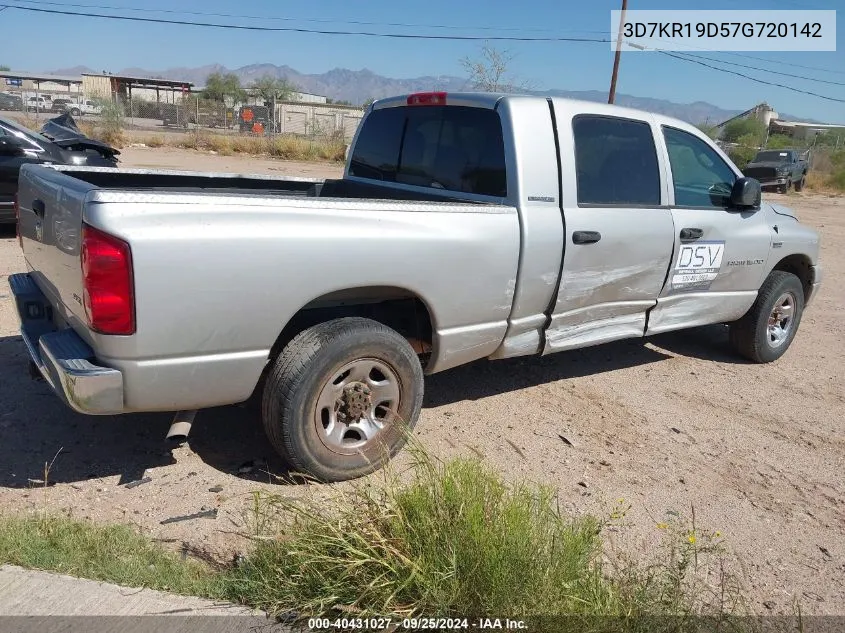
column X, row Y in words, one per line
column 10, row 146
column 746, row 193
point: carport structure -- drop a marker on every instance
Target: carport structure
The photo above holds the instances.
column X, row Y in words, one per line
column 124, row 87
column 40, row 83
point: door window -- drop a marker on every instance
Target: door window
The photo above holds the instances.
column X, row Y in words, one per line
column 615, row 162
column 700, row 177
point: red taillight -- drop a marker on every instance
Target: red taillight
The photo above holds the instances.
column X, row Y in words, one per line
column 427, row 98
column 18, row 221
column 107, row 283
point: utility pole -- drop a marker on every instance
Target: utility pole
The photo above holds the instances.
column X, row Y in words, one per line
column 612, row 96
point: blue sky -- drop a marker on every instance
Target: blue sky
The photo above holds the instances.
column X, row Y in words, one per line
column 36, row 42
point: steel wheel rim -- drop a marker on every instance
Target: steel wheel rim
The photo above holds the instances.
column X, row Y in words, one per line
column 356, row 404
column 781, row 320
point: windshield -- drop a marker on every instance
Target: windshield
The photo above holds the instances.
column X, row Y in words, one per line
column 771, row 157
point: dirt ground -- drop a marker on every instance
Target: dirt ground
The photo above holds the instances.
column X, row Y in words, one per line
column 175, row 158
column 669, row 423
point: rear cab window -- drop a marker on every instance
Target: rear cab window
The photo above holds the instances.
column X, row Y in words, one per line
column 615, row 162
column 449, row 148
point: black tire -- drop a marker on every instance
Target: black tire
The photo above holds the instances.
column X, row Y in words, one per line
column 750, row 336
column 799, row 185
column 785, row 188
column 75, row 112
column 305, row 369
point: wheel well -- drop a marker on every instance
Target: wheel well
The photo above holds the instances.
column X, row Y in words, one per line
column 800, row 266
column 396, row 308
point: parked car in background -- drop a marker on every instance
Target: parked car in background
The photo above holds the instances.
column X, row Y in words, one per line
column 781, row 168
column 39, row 104
column 465, row 227
column 11, row 102
column 86, row 106
column 60, row 142
column 61, row 104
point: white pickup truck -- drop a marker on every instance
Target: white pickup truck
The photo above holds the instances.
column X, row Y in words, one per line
column 466, row 226
column 85, row 106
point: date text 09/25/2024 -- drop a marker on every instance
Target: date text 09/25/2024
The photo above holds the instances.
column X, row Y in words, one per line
column 415, row 624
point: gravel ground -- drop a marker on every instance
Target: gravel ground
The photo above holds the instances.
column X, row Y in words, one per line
column 667, row 424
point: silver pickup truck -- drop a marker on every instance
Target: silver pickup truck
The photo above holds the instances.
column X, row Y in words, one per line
column 465, row 227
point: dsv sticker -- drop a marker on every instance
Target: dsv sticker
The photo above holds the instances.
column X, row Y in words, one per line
column 697, row 265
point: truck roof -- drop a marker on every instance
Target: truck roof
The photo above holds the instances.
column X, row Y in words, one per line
column 490, row 99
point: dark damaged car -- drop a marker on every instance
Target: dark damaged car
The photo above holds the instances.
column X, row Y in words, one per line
column 59, row 142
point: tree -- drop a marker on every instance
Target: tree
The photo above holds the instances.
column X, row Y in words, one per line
column 741, row 155
column 735, row 130
column 490, row 72
column 4, row 68
column 272, row 88
column 779, row 141
column 219, row 86
column 708, row 129
column 369, row 102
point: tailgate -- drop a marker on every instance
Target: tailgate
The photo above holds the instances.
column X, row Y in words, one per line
column 51, row 207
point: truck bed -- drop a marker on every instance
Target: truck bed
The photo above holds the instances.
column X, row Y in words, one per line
column 220, row 263
column 175, row 181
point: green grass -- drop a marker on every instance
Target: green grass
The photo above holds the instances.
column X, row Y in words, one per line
column 114, row 553
column 457, row 541
column 442, row 540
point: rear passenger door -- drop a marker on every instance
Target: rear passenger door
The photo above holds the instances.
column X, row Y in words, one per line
column 720, row 252
column 618, row 229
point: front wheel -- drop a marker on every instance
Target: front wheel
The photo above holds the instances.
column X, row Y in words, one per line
column 799, row 184
column 766, row 331
column 342, row 398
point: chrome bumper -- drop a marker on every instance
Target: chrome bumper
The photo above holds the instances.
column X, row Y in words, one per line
column 772, row 182
column 62, row 357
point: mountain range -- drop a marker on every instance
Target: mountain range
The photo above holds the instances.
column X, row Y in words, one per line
column 356, row 86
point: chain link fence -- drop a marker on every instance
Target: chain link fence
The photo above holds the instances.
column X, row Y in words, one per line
column 177, row 112
column 191, row 112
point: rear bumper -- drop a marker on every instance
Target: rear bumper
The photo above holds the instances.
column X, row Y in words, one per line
column 62, row 357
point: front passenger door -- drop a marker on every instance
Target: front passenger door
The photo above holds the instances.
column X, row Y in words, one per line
column 720, row 253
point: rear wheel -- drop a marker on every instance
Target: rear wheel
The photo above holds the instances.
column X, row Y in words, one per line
column 75, row 112
column 342, row 398
column 766, row 331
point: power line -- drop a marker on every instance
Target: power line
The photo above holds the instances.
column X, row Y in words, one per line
column 402, row 36
column 291, row 19
column 291, row 29
column 766, row 70
column 750, row 78
column 782, row 63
